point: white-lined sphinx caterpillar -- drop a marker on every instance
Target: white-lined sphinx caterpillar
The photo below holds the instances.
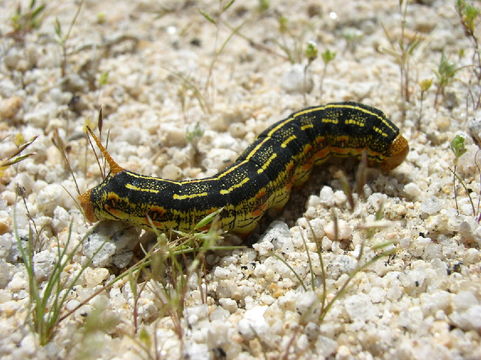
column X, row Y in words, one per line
column 260, row 179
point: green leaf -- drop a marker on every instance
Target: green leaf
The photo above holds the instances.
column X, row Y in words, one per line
column 145, row 338
column 282, row 24
column 264, row 5
column 311, row 51
column 104, row 78
column 457, row 146
column 425, row 84
column 208, row 17
column 446, row 71
column 58, row 28
column 207, row 220
column 37, row 11
column 228, row 5
column 328, row 56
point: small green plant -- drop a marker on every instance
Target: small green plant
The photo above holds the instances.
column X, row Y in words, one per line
column 469, row 15
column 218, row 50
column 458, row 148
column 402, row 50
column 62, row 38
column 445, row 75
column 194, row 134
column 381, row 250
column 104, row 78
column 386, row 249
column 352, row 38
column 327, row 57
column 324, row 306
column 167, row 270
column 310, row 53
column 16, row 156
column 47, row 300
column 189, row 88
column 264, row 5
column 60, row 145
column 290, row 42
column 424, row 86
column 25, row 21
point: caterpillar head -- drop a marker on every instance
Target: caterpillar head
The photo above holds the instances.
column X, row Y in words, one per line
column 85, row 199
column 397, row 152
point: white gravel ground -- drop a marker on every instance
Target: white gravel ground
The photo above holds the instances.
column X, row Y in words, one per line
column 162, row 78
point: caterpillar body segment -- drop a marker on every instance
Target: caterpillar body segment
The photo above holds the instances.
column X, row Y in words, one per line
column 261, row 178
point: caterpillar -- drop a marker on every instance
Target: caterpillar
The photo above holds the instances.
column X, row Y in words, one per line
column 260, row 179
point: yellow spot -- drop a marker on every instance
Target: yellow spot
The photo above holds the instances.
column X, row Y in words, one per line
column 136, row 188
column 267, row 163
column 327, row 120
column 111, row 196
column 226, row 191
column 188, row 196
column 288, row 140
column 379, row 131
column 355, row 122
column 308, row 126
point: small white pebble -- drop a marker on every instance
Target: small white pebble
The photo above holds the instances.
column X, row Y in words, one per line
column 431, row 206
column 9, row 107
column 343, row 352
column 72, row 304
column 28, row 344
column 171, row 172
column 360, row 308
column 94, row 277
column 464, row 300
column 377, row 295
column 253, row 323
column 263, row 248
column 327, row 196
column 221, row 273
column 340, row 198
column 237, row 130
column 173, row 135
column 466, row 232
column 306, row 305
column 25, row 181
column 50, row 197
column 61, row 219
column 296, row 80
column 325, row 346
column 470, row 319
column 17, row 282
column 44, row 262
column 228, row 304
column 266, row 299
column 313, row 201
column 218, row 158
column 412, row 190
column 472, row 256
column 344, row 230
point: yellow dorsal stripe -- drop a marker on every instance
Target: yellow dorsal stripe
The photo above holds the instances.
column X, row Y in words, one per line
column 267, row 163
column 238, row 185
column 136, row 188
column 188, row 196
